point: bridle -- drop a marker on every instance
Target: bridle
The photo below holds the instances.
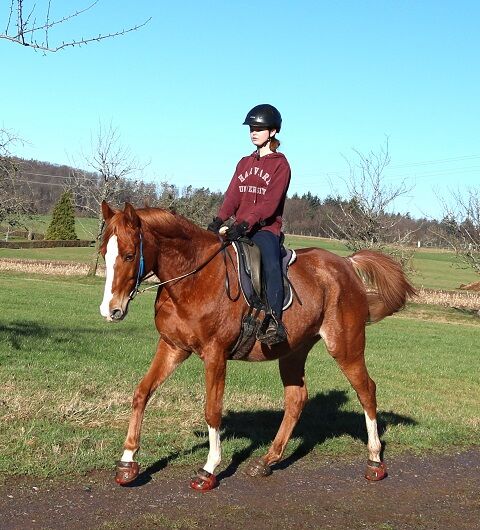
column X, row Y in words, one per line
column 141, row 270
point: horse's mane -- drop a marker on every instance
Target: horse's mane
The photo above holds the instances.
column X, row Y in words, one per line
column 163, row 223
column 168, row 223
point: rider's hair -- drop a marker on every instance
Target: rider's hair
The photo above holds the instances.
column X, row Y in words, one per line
column 274, row 144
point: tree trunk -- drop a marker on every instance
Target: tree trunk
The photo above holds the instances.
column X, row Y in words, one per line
column 92, row 270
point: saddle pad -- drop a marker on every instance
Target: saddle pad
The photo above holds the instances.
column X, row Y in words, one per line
column 251, row 297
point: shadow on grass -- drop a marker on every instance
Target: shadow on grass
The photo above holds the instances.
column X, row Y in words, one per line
column 322, row 419
column 16, row 332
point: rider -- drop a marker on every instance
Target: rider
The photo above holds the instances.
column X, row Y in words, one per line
column 256, row 198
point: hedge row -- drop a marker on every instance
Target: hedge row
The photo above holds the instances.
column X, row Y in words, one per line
column 45, row 243
column 21, row 233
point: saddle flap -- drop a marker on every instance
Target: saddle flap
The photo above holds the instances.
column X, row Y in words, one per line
column 250, row 261
column 250, row 273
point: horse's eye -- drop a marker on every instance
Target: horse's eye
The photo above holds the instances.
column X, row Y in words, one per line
column 129, row 257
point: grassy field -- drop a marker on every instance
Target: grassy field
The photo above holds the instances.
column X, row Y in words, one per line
column 85, row 227
column 434, row 269
column 78, row 254
column 67, row 378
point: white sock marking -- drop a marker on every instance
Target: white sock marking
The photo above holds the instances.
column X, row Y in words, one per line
column 374, row 445
column 215, row 453
column 127, row 455
column 110, row 257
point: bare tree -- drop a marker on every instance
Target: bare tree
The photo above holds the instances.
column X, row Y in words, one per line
column 197, row 204
column 109, row 164
column 15, row 200
column 362, row 219
column 23, row 27
column 460, row 227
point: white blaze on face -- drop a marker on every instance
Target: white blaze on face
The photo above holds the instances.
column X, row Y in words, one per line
column 214, row 454
column 110, row 257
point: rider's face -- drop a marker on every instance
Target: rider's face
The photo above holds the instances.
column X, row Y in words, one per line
column 259, row 135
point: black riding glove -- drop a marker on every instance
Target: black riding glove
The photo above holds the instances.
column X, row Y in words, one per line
column 215, row 225
column 236, row 231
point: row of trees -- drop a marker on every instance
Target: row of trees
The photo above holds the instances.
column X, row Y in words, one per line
column 361, row 218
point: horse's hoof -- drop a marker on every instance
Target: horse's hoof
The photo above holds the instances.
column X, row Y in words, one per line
column 375, row 471
column 258, row 468
column 203, row 481
column 126, row 472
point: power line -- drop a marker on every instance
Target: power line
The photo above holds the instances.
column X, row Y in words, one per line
column 320, row 178
column 438, row 161
column 30, row 173
column 43, row 183
column 317, row 181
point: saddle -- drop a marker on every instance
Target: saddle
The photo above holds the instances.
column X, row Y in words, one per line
column 253, row 288
column 250, row 274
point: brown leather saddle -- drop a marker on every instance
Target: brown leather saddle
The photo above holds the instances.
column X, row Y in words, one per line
column 253, row 288
column 252, row 282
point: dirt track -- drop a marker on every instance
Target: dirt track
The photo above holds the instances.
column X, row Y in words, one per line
column 432, row 492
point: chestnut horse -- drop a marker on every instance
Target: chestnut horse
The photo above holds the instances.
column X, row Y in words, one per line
column 194, row 314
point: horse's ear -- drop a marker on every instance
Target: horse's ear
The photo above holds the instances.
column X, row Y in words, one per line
column 131, row 215
column 107, row 212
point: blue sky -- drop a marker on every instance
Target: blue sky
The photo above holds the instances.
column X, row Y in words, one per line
column 344, row 75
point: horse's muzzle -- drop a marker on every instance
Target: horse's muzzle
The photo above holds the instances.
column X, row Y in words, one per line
column 117, row 314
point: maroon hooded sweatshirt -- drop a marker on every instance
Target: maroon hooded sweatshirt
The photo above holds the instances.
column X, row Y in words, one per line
column 257, row 192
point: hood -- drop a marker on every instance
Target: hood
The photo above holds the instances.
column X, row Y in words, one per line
column 270, row 156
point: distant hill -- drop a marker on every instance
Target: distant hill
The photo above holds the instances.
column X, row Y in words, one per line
column 45, row 181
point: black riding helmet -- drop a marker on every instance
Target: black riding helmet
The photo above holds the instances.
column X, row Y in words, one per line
column 264, row 116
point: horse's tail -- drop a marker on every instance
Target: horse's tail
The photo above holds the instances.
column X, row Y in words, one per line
column 386, row 276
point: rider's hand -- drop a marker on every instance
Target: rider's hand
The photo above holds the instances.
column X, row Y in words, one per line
column 236, row 231
column 215, row 225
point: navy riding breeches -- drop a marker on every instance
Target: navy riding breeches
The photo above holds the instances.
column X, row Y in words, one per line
column 269, row 245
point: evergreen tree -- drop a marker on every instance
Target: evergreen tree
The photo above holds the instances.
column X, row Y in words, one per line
column 63, row 219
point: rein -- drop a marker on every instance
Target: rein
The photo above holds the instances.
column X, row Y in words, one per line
column 141, row 269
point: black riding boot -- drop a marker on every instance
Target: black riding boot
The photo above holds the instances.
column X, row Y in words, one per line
column 273, row 333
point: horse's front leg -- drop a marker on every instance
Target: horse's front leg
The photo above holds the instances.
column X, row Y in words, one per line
column 167, row 358
column 215, row 371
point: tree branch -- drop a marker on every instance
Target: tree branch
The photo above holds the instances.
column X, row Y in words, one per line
column 24, row 29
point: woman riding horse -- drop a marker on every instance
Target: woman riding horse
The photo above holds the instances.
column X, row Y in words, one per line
column 256, row 197
column 193, row 314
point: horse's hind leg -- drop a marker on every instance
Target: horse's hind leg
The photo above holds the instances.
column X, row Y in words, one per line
column 167, row 358
column 292, row 371
column 348, row 350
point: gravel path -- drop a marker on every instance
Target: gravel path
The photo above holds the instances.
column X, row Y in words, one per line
column 431, row 492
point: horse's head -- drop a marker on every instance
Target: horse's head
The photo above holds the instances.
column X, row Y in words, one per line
column 122, row 252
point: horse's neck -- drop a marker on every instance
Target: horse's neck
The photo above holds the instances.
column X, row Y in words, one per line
column 178, row 250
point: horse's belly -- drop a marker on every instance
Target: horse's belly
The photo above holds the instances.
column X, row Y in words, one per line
column 260, row 352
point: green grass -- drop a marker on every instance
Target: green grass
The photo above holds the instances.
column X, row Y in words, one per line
column 434, row 269
column 85, row 227
column 441, row 269
column 67, row 378
column 77, row 254
column 328, row 244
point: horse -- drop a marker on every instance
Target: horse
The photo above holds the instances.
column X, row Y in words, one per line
column 194, row 314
